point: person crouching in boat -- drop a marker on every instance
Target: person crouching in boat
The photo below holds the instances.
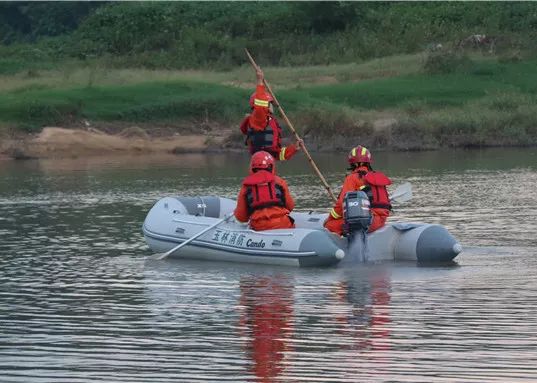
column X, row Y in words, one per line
column 261, row 128
column 364, row 178
column 264, row 198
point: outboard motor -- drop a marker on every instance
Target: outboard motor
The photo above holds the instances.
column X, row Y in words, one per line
column 356, row 213
column 357, row 218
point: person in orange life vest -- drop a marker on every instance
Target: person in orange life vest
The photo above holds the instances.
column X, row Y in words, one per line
column 264, row 198
column 364, row 178
column 261, row 128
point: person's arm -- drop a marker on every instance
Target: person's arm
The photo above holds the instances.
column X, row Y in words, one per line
column 349, row 184
column 287, row 152
column 241, row 211
column 260, row 77
column 259, row 116
column 244, row 125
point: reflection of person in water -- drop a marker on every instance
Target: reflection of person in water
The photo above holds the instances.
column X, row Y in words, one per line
column 369, row 315
column 267, row 316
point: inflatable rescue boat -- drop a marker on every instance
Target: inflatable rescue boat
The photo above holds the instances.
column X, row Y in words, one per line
column 172, row 221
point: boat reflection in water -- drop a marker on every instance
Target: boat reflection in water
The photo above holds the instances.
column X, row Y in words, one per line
column 363, row 313
column 347, row 321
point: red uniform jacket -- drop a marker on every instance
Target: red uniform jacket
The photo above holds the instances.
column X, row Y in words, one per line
column 354, row 182
column 265, row 218
column 262, row 120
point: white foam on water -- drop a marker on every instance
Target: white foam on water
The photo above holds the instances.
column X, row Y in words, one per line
column 357, row 252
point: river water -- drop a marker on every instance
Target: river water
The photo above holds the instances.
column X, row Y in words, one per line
column 79, row 301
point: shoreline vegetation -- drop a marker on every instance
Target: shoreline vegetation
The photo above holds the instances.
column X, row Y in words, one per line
column 94, row 89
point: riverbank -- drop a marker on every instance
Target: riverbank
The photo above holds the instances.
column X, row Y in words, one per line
column 86, row 140
column 378, row 132
column 116, row 139
column 55, row 142
column 393, row 103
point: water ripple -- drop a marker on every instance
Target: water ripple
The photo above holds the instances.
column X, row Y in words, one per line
column 79, row 302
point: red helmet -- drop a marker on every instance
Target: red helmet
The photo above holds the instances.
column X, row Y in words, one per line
column 359, row 154
column 262, row 160
column 266, row 97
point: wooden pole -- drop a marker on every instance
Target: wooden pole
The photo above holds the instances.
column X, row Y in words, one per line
column 290, row 125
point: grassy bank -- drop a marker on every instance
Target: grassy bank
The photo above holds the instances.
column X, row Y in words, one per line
column 391, row 102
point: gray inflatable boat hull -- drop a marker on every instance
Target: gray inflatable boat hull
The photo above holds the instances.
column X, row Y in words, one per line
column 171, row 221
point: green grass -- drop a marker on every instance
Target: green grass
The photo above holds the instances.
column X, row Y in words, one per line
column 487, row 104
column 37, row 98
column 434, row 90
column 154, row 101
column 83, row 73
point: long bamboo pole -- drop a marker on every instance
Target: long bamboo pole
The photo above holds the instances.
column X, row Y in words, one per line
column 282, row 112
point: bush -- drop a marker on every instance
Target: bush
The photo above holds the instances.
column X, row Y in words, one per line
column 327, row 120
column 213, row 35
column 46, row 113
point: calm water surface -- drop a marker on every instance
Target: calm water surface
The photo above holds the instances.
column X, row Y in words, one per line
column 79, row 302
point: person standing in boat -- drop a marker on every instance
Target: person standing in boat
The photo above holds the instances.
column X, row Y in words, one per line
column 264, row 199
column 364, row 178
column 262, row 130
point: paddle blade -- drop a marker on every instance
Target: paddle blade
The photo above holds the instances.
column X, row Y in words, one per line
column 158, row 256
column 403, row 193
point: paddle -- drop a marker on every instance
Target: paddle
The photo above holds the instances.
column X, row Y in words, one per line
column 282, row 112
column 160, row 256
column 403, row 193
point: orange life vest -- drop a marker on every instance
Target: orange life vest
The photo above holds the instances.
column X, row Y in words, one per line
column 268, row 139
column 263, row 191
column 375, row 189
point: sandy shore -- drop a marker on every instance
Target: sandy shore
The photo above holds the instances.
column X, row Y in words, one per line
column 55, row 142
